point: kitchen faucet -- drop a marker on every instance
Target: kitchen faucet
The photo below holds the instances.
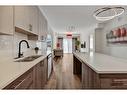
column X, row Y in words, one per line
column 19, row 54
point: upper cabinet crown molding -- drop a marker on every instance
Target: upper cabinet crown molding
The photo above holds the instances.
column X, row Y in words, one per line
column 6, row 20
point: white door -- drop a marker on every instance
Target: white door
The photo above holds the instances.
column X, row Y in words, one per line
column 67, row 45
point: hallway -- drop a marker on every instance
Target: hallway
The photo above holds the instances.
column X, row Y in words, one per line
column 62, row 76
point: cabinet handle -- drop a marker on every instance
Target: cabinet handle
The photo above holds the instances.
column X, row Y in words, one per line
column 119, row 80
column 117, row 84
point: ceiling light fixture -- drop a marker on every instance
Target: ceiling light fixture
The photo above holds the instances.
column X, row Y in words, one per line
column 70, row 28
column 101, row 14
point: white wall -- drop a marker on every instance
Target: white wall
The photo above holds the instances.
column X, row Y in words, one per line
column 114, row 50
column 85, row 35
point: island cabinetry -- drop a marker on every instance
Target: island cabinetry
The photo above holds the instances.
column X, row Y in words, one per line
column 113, row 81
column 91, row 79
column 77, row 66
column 88, row 77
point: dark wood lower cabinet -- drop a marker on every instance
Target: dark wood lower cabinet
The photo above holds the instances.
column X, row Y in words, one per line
column 34, row 78
column 92, row 80
column 113, row 81
column 41, row 74
column 25, row 81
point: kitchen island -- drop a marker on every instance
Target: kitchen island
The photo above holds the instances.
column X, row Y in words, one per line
column 100, row 71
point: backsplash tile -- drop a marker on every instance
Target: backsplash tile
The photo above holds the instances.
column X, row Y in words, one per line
column 9, row 45
column 6, row 46
column 6, row 42
column 17, row 38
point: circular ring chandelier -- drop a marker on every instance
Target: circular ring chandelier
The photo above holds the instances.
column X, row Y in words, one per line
column 116, row 11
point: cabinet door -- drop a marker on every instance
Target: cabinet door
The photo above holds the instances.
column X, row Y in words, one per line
column 43, row 74
column 39, row 75
column 45, row 70
column 26, row 17
column 85, row 76
column 90, row 79
column 114, row 83
column 40, row 26
column 21, row 15
column 6, row 20
column 25, row 81
column 43, row 27
column 33, row 18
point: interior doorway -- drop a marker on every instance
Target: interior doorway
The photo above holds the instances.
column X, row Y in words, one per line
column 67, row 45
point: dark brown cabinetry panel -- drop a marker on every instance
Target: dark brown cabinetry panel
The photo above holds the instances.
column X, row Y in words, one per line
column 45, row 75
column 25, row 81
column 41, row 74
column 35, row 78
column 93, row 80
column 77, row 67
column 113, row 81
column 90, row 79
column 85, row 76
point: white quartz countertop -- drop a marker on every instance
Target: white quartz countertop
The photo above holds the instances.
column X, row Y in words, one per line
column 10, row 70
column 102, row 63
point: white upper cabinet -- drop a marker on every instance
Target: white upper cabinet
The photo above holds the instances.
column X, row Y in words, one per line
column 40, row 26
column 43, row 27
column 6, row 20
column 34, row 18
column 26, row 17
column 21, row 17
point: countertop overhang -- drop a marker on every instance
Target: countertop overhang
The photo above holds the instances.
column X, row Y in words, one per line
column 102, row 63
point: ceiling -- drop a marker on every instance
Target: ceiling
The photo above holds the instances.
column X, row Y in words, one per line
column 61, row 17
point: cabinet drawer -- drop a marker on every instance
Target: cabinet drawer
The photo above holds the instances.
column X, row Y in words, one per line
column 25, row 81
column 114, row 83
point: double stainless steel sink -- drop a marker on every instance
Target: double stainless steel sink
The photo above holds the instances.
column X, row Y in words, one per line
column 29, row 58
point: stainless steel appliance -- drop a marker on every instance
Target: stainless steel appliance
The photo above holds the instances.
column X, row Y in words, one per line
column 49, row 65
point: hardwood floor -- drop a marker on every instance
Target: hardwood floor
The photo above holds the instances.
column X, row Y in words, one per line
column 62, row 76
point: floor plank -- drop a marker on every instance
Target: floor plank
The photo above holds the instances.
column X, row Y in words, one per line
column 62, row 76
